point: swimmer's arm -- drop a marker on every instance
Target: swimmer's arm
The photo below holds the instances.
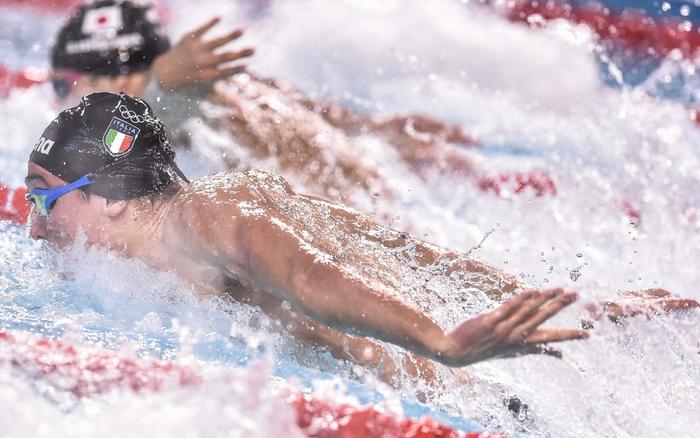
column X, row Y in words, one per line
column 279, row 263
column 259, row 249
column 242, row 232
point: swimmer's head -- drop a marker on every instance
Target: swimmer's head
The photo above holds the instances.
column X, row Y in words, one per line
column 92, row 160
column 107, row 45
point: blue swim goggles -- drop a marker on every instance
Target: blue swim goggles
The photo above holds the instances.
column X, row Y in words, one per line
column 43, row 200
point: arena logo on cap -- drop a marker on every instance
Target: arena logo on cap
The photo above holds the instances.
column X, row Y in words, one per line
column 120, row 136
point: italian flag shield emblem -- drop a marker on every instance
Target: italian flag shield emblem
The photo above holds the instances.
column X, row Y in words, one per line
column 120, row 136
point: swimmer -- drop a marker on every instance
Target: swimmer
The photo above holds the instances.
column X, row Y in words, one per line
column 119, row 45
column 329, row 169
column 310, row 142
column 105, row 170
column 144, row 65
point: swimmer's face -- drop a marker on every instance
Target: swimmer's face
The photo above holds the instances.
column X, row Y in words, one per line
column 72, row 214
column 80, row 85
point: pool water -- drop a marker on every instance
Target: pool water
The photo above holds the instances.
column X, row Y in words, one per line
column 535, row 99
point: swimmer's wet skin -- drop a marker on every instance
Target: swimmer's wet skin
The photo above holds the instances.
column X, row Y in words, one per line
column 245, row 228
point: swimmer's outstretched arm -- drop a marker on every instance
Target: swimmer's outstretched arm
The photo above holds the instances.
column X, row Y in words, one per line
column 325, row 292
column 262, row 248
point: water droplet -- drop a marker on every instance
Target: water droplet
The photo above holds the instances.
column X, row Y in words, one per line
column 575, row 274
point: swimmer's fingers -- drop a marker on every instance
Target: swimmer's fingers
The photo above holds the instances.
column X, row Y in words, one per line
column 646, row 306
column 224, row 73
column 510, row 330
column 524, row 313
column 552, row 306
column 660, row 306
column 217, row 42
column 509, row 308
column 204, row 28
column 222, row 58
column 209, row 75
column 678, row 304
column 543, row 336
column 537, row 342
column 648, row 293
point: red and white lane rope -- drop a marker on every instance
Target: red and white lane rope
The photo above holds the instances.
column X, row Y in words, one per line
column 13, row 205
column 629, row 28
column 87, row 372
column 62, row 6
column 20, row 79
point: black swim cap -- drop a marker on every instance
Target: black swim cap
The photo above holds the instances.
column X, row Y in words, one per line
column 115, row 137
column 110, row 38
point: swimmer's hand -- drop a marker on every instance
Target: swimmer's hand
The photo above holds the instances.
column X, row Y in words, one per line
column 648, row 302
column 193, row 64
column 511, row 330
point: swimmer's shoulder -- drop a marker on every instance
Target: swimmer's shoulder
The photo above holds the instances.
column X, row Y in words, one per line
column 233, row 189
column 209, row 219
column 225, row 201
